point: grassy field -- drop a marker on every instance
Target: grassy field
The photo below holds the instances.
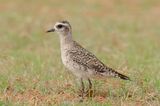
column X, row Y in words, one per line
column 124, row 34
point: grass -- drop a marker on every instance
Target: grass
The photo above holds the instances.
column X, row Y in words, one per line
column 123, row 34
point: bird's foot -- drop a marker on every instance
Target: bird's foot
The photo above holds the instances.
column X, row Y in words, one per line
column 89, row 93
column 81, row 93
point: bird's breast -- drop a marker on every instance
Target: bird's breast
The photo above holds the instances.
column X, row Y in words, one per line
column 69, row 63
column 64, row 57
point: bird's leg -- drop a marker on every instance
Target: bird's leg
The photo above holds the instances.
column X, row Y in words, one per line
column 82, row 89
column 90, row 83
column 89, row 91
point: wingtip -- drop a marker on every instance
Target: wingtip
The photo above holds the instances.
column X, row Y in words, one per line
column 128, row 79
column 124, row 77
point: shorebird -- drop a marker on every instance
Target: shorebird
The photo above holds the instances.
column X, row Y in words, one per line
column 82, row 63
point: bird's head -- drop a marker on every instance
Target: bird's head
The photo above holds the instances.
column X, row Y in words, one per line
column 61, row 27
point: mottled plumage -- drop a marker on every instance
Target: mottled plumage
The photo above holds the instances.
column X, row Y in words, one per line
column 89, row 61
column 78, row 60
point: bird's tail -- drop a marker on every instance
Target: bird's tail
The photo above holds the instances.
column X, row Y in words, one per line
column 124, row 77
column 113, row 73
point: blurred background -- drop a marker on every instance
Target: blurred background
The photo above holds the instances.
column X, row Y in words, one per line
column 124, row 34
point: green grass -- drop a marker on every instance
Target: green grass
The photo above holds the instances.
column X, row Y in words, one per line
column 125, row 35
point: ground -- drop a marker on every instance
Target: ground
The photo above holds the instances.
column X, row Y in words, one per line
column 124, row 34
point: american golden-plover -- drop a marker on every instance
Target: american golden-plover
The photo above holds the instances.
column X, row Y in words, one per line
column 80, row 61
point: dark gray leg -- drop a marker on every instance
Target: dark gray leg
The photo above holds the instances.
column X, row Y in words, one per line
column 90, row 84
column 89, row 92
column 82, row 90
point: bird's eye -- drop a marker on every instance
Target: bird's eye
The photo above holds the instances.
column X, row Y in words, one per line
column 59, row 26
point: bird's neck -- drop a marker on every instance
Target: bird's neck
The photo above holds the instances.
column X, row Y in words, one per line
column 66, row 40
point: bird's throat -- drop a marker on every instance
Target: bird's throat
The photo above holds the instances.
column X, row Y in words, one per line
column 66, row 40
